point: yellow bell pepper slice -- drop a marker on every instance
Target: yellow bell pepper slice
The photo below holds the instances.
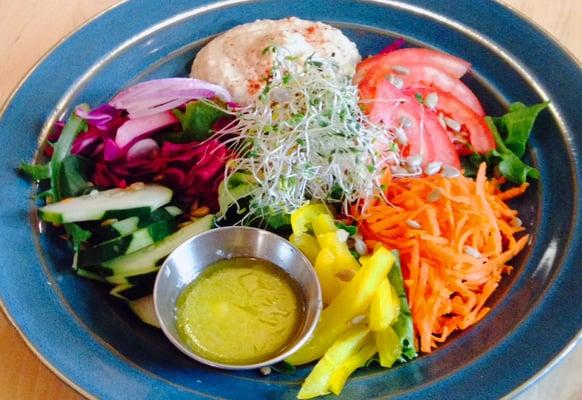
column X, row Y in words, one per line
column 302, row 218
column 307, row 244
column 353, row 300
column 330, row 287
column 344, row 259
column 317, row 382
column 355, row 361
column 323, row 223
column 388, row 345
column 383, row 310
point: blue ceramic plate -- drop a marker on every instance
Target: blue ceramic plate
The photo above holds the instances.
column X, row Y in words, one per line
column 100, row 348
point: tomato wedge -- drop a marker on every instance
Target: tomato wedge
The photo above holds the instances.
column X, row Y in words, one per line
column 480, row 136
column 385, row 104
column 422, row 75
column 451, row 65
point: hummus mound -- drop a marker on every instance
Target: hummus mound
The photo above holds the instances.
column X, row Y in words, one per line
column 236, row 60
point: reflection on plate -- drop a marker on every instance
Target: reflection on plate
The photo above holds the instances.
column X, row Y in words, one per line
column 101, row 349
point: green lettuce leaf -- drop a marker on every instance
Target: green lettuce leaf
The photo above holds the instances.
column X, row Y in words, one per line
column 403, row 325
column 511, row 132
column 62, row 149
column 36, row 172
column 73, row 176
column 77, row 235
column 515, row 126
column 197, row 121
column 509, row 164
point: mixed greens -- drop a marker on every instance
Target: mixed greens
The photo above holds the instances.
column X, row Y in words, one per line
column 511, row 132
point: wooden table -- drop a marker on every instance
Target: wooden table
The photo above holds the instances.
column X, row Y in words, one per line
column 28, row 28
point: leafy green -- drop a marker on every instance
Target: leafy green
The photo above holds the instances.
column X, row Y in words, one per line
column 197, row 121
column 277, row 220
column 351, row 229
column 511, row 132
column 284, row 367
column 73, row 176
column 77, row 235
column 236, row 187
column 509, row 164
column 60, row 169
column 403, row 325
column 36, row 172
column 516, row 126
column 61, row 150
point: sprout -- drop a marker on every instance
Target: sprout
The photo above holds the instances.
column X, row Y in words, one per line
column 306, row 138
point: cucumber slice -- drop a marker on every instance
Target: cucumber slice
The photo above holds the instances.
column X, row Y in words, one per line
column 126, row 244
column 90, row 275
column 131, row 292
column 145, row 311
column 152, row 256
column 128, row 226
column 135, row 200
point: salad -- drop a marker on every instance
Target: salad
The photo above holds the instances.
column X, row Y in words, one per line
column 387, row 173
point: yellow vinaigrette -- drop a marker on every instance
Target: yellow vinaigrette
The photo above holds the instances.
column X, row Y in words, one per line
column 240, row 311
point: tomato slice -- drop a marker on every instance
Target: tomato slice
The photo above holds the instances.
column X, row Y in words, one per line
column 422, row 75
column 451, row 65
column 385, row 104
column 480, row 136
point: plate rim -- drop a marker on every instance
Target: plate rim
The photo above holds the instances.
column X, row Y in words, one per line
column 567, row 348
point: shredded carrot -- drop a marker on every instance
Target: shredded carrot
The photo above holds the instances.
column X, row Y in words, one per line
column 455, row 237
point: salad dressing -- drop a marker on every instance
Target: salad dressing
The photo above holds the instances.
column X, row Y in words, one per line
column 240, row 311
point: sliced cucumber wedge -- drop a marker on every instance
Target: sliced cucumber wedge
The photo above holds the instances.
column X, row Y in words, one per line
column 152, row 256
column 90, row 275
column 135, row 200
column 126, row 244
column 145, row 278
column 130, row 292
column 144, row 309
column 128, row 226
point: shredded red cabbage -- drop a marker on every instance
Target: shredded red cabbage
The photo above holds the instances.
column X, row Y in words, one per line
column 395, row 45
column 193, row 170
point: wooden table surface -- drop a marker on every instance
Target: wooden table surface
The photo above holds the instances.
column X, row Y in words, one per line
column 28, row 28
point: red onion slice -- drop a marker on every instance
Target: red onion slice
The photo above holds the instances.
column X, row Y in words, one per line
column 159, row 95
column 145, row 148
column 139, row 128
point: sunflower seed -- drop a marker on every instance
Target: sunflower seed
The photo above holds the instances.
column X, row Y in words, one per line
column 345, row 275
column 450, row 172
column 401, row 136
column 435, row 195
column 414, row 161
column 358, row 319
column 413, row 224
column 441, row 119
column 433, row 168
column 431, row 100
column 396, row 81
column 516, row 222
column 473, row 252
column 360, row 247
column 342, row 235
column 453, row 124
column 405, row 122
column 402, row 70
